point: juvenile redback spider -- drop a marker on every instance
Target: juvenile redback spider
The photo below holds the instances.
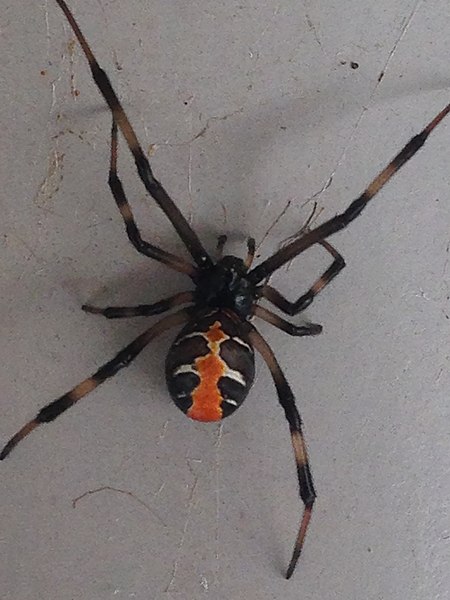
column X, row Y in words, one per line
column 210, row 365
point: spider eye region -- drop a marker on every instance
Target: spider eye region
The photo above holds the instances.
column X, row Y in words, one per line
column 210, row 368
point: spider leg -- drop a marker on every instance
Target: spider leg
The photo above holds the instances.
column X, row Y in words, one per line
column 142, row 310
column 134, row 235
column 290, row 328
column 293, row 308
column 221, row 241
column 251, row 249
column 121, row 360
column 153, row 187
column 287, row 401
column 340, row 221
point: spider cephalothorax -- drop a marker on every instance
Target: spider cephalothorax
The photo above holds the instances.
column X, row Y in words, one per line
column 210, row 366
column 225, row 285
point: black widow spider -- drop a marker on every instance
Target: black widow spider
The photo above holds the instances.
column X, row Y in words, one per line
column 210, row 365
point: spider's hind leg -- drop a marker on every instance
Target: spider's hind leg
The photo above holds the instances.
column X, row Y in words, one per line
column 286, row 326
column 109, row 369
column 287, row 401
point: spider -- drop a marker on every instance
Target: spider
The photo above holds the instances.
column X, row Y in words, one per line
column 210, row 365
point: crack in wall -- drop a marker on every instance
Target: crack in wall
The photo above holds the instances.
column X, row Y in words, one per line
column 119, row 491
column 191, row 503
column 52, row 180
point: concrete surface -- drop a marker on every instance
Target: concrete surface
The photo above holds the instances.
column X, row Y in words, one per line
column 250, row 110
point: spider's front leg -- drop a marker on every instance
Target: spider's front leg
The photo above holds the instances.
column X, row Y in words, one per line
column 293, row 308
column 340, row 221
column 153, row 187
column 133, row 233
column 287, row 401
column 142, row 310
column 251, row 249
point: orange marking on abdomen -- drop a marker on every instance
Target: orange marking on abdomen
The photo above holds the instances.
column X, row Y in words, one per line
column 207, row 398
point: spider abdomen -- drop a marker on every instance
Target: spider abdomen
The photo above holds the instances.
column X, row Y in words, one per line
column 210, row 367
